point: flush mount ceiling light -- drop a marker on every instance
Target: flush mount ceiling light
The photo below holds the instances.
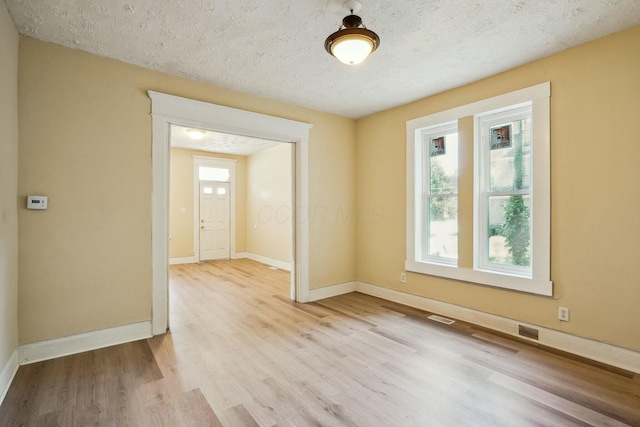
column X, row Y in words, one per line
column 196, row 134
column 353, row 42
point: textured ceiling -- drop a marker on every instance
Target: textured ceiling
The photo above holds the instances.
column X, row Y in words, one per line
column 219, row 142
column 274, row 48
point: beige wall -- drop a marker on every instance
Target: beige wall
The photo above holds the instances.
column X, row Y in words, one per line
column 85, row 141
column 333, row 215
column 8, row 188
column 181, row 196
column 595, row 187
column 85, row 125
column 269, row 207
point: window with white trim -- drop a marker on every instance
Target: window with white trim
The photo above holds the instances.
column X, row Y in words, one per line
column 504, row 217
column 438, row 209
column 210, row 173
column 504, row 192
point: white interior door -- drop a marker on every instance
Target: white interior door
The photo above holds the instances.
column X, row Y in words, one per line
column 214, row 220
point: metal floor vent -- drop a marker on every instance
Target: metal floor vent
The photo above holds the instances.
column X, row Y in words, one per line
column 441, row 319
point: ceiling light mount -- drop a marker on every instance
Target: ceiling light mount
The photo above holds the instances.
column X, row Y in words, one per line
column 353, row 42
column 352, row 6
column 196, row 134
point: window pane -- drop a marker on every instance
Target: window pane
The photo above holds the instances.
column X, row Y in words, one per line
column 442, row 227
column 510, row 149
column 509, row 230
column 206, row 173
column 443, row 164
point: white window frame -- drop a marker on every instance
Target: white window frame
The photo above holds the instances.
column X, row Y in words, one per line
column 423, row 191
column 483, row 122
column 539, row 282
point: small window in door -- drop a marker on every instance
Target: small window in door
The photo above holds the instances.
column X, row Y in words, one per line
column 207, row 190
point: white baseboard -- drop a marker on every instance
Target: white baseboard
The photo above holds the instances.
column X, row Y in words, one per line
column 266, row 260
column 182, row 260
column 239, row 255
column 58, row 347
column 332, row 291
column 591, row 349
column 7, row 374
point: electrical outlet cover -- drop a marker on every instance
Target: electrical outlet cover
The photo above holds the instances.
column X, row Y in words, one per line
column 563, row 314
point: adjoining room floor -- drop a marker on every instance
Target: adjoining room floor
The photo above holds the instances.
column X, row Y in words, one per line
column 240, row 353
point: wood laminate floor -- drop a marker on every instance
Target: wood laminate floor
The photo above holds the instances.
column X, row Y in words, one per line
column 241, row 354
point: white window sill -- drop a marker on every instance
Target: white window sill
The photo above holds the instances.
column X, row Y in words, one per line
column 498, row 280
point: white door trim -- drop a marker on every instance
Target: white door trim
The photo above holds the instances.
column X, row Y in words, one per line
column 169, row 109
column 216, row 162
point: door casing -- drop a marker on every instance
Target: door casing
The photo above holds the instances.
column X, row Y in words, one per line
column 169, row 109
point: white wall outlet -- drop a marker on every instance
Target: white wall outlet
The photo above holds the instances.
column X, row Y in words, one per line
column 403, row 277
column 563, row 314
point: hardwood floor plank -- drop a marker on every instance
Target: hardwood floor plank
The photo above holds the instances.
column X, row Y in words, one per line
column 311, row 308
column 572, row 381
column 199, row 410
column 565, row 406
column 241, row 353
column 239, row 416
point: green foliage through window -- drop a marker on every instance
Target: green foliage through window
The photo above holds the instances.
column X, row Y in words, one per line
column 516, row 230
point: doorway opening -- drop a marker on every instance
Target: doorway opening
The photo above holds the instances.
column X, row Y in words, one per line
column 168, row 110
column 203, row 219
column 245, row 210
